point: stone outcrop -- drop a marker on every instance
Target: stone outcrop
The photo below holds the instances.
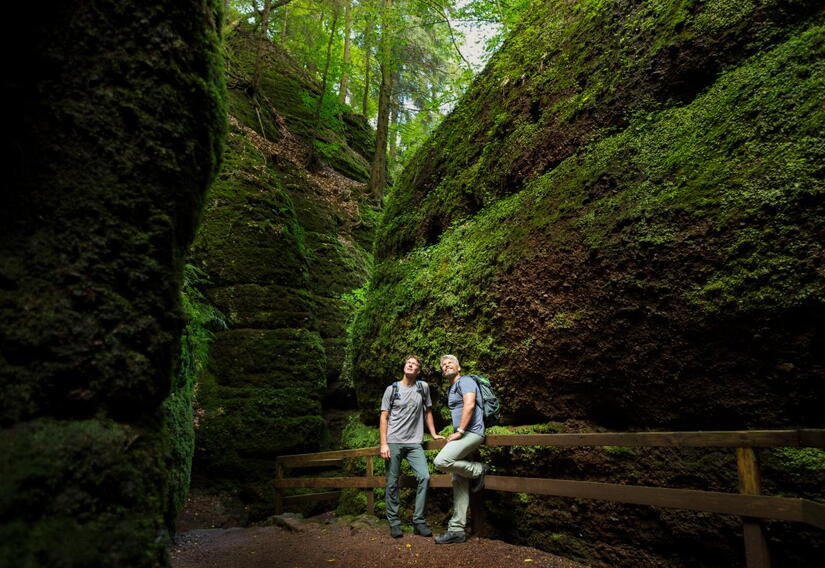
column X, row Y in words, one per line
column 621, row 224
column 114, row 133
column 280, row 245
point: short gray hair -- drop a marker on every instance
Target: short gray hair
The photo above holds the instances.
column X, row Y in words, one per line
column 453, row 357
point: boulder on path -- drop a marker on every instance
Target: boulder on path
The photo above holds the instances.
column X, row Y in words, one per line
column 289, row 521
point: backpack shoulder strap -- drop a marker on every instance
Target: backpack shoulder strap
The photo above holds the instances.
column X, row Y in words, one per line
column 393, row 394
column 479, row 393
column 458, row 383
column 420, row 386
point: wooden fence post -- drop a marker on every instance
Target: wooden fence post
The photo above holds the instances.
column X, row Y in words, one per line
column 370, row 491
column 279, row 493
column 756, row 545
column 477, row 513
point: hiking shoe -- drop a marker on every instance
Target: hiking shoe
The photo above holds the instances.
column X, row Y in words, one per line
column 422, row 529
column 396, row 532
column 477, row 483
column 450, row 537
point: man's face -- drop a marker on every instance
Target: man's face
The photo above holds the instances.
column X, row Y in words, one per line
column 450, row 368
column 411, row 367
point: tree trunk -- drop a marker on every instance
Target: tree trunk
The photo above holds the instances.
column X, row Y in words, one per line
column 259, row 56
column 344, row 85
column 284, row 28
column 367, row 49
column 501, row 17
column 393, row 129
column 378, row 172
column 313, row 154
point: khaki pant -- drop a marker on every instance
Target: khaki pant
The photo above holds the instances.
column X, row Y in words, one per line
column 449, row 460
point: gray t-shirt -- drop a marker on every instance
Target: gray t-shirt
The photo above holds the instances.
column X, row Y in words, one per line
column 406, row 420
column 456, row 403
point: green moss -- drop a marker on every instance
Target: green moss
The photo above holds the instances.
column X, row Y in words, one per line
column 280, row 245
column 358, row 435
column 627, row 235
column 289, row 94
column 802, row 459
column 718, row 168
column 241, row 443
column 275, row 358
column 53, row 480
column 482, row 153
column 546, row 428
column 119, row 150
column 178, row 407
column 250, row 236
column 264, row 306
column 620, row 451
column 352, row 502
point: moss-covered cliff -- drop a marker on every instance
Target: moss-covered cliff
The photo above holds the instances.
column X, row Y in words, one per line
column 114, row 132
column 280, row 245
column 621, row 223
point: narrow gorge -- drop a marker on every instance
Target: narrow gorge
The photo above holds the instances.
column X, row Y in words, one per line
column 619, row 222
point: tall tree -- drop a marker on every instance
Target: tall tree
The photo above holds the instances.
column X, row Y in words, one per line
column 369, row 25
column 284, row 26
column 344, row 84
column 378, row 171
column 395, row 107
column 262, row 39
column 313, row 153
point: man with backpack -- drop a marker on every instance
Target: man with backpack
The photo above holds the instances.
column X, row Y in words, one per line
column 468, row 422
column 405, row 408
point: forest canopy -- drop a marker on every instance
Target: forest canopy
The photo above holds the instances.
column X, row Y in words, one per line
column 421, row 54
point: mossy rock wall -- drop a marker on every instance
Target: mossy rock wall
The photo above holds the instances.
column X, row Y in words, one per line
column 603, row 533
column 280, row 245
column 115, row 128
column 621, row 223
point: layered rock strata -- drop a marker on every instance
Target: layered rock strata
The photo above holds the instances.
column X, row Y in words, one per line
column 281, row 246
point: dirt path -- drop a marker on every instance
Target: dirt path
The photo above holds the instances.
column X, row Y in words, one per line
column 355, row 544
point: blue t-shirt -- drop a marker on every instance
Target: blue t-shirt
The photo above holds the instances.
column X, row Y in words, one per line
column 456, row 403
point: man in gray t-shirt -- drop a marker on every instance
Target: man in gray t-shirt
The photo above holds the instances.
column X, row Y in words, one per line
column 404, row 409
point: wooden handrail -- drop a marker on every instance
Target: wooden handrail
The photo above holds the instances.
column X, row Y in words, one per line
column 708, row 439
column 748, row 504
column 760, row 506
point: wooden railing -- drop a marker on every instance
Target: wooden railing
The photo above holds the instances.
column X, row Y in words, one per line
column 748, row 503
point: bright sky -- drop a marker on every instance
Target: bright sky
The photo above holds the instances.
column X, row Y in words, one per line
column 476, row 35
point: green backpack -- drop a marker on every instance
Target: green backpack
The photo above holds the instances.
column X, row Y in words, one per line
column 490, row 406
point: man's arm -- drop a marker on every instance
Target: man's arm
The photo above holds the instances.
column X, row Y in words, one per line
column 466, row 415
column 431, row 425
column 382, row 432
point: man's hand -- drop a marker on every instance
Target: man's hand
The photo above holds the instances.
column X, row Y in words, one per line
column 437, row 436
column 454, row 436
column 385, row 451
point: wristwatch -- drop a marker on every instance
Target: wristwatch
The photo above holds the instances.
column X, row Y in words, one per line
column 460, row 430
